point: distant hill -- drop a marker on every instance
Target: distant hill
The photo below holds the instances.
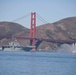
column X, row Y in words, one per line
column 62, row 29
column 10, row 28
column 67, row 27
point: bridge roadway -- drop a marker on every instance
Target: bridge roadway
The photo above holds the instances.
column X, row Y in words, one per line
column 41, row 39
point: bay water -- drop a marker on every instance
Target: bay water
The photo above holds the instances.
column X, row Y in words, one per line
column 37, row 63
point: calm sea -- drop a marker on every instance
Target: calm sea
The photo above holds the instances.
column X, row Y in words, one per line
column 37, row 63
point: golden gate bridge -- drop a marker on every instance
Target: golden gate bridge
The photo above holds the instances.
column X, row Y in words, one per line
column 34, row 41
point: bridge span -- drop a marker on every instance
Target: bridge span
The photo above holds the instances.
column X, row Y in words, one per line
column 33, row 39
column 41, row 39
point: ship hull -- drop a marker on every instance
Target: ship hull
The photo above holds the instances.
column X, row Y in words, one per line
column 16, row 48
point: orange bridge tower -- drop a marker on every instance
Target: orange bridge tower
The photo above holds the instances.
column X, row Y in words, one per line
column 33, row 29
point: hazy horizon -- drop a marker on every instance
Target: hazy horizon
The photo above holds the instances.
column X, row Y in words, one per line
column 50, row 10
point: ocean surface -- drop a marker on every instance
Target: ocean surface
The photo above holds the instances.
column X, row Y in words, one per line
column 37, row 63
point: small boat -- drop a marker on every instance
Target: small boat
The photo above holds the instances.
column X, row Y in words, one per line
column 74, row 52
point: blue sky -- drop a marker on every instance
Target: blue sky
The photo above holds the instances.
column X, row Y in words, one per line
column 50, row 10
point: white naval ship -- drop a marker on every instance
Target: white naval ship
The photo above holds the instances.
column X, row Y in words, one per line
column 15, row 46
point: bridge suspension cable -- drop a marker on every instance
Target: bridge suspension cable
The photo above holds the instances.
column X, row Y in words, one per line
column 22, row 17
column 25, row 16
column 41, row 19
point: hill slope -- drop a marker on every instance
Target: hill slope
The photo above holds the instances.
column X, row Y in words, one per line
column 11, row 29
column 62, row 30
column 67, row 26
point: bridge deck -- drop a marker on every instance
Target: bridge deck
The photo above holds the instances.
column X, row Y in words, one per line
column 41, row 39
